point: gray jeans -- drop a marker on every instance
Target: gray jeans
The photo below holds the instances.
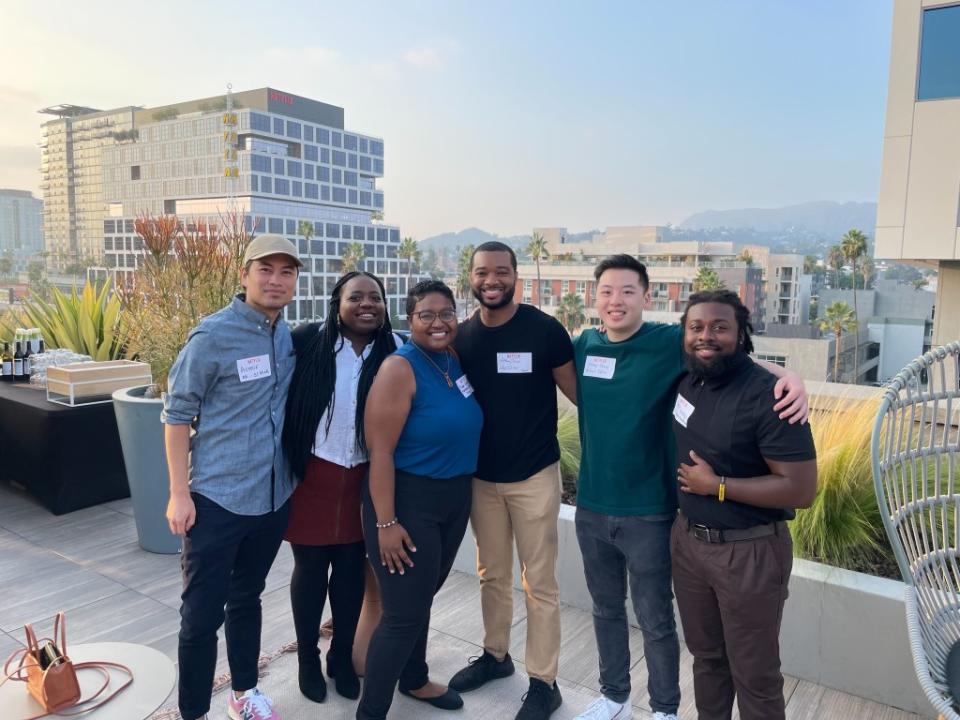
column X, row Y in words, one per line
column 615, row 548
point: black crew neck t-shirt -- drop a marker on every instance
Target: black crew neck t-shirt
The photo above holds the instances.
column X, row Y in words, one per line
column 511, row 370
column 733, row 427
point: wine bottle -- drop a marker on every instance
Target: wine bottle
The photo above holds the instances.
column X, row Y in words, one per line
column 7, row 360
column 18, row 362
column 27, row 362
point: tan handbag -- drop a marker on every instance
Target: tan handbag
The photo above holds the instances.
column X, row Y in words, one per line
column 51, row 677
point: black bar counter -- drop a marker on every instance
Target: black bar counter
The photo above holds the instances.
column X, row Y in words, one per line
column 66, row 457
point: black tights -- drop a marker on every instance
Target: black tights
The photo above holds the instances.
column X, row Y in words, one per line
column 308, row 593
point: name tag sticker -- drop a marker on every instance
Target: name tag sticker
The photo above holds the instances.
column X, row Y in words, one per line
column 466, row 389
column 682, row 410
column 599, row 367
column 515, row 362
column 253, row 368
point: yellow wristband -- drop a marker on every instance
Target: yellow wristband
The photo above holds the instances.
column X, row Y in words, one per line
column 722, row 490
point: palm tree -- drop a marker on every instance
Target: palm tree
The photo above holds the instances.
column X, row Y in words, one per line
column 838, row 318
column 746, row 258
column 571, row 313
column 835, row 260
column 409, row 251
column 305, row 228
column 537, row 249
column 464, row 289
column 353, row 257
column 854, row 247
column 868, row 270
column 707, row 279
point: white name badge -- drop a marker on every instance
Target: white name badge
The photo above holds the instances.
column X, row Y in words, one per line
column 466, row 389
column 515, row 362
column 599, row 367
column 253, row 368
column 682, row 410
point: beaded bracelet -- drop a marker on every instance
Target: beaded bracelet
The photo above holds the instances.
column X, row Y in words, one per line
column 381, row 526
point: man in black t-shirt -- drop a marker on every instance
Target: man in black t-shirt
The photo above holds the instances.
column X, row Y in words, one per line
column 742, row 472
column 515, row 356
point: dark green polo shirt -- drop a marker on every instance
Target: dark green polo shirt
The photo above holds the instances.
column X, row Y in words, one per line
column 626, row 391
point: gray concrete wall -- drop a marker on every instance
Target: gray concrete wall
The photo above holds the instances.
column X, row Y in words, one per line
column 841, row 629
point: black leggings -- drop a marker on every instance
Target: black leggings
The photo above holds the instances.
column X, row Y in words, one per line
column 308, row 592
column 435, row 514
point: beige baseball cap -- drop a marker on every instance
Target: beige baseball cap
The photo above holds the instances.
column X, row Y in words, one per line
column 264, row 245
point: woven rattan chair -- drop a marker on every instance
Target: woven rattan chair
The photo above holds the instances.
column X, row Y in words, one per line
column 916, row 473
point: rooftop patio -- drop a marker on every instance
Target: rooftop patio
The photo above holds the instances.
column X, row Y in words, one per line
column 88, row 564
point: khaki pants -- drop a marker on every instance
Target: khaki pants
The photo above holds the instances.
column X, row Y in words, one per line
column 526, row 511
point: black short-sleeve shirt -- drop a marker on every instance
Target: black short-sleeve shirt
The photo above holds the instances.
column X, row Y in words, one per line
column 511, row 370
column 733, row 426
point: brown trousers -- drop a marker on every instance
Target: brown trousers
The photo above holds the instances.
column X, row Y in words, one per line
column 731, row 597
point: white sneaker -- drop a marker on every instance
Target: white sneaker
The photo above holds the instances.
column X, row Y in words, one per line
column 252, row 705
column 606, row 709
column 664, row 716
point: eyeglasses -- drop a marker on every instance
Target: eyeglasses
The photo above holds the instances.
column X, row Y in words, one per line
column 428, row 316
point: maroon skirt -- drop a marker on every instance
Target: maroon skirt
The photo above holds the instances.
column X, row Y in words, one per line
column 325, row 507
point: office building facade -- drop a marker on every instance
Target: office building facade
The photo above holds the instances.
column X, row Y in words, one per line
column 919, row 203
column 21, row 233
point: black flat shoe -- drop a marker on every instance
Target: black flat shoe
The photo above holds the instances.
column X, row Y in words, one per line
column 450, row 700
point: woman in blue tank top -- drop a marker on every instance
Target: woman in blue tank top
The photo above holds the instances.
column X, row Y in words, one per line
column 422, row 427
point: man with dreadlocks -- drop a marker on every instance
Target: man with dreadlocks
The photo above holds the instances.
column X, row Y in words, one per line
column 742, row 472
column 323, row 438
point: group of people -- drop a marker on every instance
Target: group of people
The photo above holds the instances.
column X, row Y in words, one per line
column 370, row 453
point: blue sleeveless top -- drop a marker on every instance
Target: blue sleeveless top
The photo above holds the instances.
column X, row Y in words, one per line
column 441, row 438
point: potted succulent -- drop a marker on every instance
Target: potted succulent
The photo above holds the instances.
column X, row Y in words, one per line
column 187, row 271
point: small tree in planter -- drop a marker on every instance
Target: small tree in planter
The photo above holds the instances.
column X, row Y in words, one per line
column 186, row 273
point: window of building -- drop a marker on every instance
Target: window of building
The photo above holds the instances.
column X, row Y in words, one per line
column 134, row 172
column 275, row 225
column 358, row 232
column 780, row 360
column 337, row 176
column 259, row 122
column 324, row 155
column 339, row 158
column 308, row 171
column 323, row 173
column 382, row 235
column 939, row 75
column 266, row 184
column 294, row 168
column 378, row 200
column 253, row 184
column 339, row 194
column 311, row 191
column 366, row 198
column 310, row 153
column 308, row 133
column 352, row 197
column 333, row 230
column 377, row 166
column 363, row 146
column 296, row 188
column 277, row 126
column 352, row 161
column 293, row 129
column 350, row 178
column 365, row 164
column 324, row 192
column 323, row 136
column 278, row 166
column 260, row 163
column 281, row 187
column 336, row 139
column 376, row 148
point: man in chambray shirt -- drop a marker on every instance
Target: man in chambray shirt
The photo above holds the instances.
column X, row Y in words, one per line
column 229, row 481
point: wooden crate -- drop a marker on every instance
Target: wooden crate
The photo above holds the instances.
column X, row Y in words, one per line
column 84, row 383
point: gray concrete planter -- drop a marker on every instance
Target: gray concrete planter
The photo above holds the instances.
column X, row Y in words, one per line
column 141, row 437
column 841, row 629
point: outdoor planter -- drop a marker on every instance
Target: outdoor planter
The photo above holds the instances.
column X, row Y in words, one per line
column 141, row 437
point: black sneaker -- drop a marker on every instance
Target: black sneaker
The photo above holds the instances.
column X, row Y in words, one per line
column 540, row 701
column 481, row 670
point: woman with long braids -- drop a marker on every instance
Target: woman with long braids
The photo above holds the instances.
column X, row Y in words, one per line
column 324, row 441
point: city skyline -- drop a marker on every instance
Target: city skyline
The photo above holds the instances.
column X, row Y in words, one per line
column 506, row 118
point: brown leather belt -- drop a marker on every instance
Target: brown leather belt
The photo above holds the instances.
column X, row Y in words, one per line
column 716, row 535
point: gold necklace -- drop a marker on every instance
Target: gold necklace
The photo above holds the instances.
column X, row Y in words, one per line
column 446, row 375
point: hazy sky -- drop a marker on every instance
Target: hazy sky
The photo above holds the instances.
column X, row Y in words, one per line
column 502, row 115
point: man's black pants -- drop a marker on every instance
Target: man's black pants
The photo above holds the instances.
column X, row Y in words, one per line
column 225, row 561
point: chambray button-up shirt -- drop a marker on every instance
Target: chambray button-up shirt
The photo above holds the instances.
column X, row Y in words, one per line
column 230, row 384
